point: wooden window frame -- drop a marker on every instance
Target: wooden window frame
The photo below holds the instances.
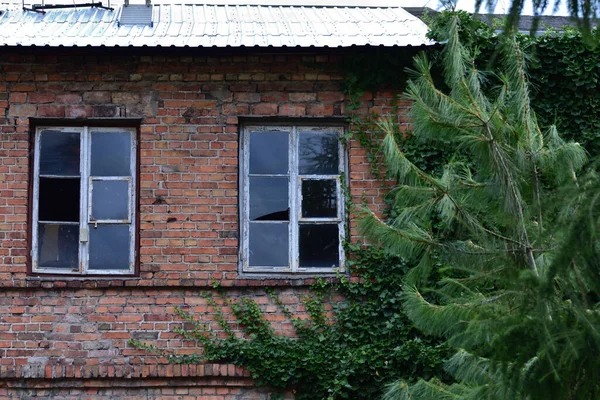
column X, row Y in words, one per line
column 85, row 203
column 294, row 199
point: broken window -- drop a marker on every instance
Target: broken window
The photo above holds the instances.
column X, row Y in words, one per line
column 291, row 203
column 83, row 193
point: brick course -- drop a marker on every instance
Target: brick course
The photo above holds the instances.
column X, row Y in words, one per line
column 183, row 390
column 56, row 329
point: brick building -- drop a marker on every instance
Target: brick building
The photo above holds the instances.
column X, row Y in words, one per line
column 148, row 151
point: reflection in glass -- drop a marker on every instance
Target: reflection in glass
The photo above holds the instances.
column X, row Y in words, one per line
column 59, row 153
column 111, row 154
column 59, row 199
column 109, row 247
column 269, row 245
column 319, row 246
column 58, row 246
column 269, row 198
column 318, row 153
column 269, row 152
column 110, row 200
column 319, row 198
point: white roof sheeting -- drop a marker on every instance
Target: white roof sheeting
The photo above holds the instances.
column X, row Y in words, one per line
column 206, row 25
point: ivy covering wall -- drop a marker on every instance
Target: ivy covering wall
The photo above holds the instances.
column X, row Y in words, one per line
column 564, row 73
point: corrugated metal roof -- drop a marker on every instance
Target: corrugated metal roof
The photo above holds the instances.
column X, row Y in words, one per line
column 203, row 25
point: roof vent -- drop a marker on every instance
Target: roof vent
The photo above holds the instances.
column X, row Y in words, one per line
column 136, row 14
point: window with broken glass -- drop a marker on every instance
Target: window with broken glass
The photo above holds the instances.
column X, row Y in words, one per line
column 83, row 192
column 292, row 216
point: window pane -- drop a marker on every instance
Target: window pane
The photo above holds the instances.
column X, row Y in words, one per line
column 269, row 152
column 58, row 246
column 318, row 153
column 319, row 199
column 269, row 245
column 59, row 199
column 110, row 200
column 269, row 199
column 111, row 154
column 109, row 247
column 319, row 246
column 59, row 153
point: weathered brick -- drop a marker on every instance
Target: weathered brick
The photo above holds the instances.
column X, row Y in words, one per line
column 319, row 109
column 105, row 111
column 22, row 110
column 293, row 110
column 274, row 97
column 125, row 98
column 264, row 109
column 78, row 111
column 303, row 97
column 69, row 98
column 41, row 98
column 17, row 97
column 246, row 97
column 330, row 96
column 97, row 97
column 51, row 111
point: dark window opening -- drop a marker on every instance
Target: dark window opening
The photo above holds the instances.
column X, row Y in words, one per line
column 59, row 200
column 319, row 246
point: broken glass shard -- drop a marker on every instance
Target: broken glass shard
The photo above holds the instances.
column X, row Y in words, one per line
column 269, row 198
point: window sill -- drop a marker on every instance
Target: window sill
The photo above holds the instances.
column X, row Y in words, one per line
column 254, row 280
column 79, row 278
column 80, row 282
column 261, row 279
column 292, row 276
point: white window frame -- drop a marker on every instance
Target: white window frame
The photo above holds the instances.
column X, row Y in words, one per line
column 85, row 202
column 294, row 199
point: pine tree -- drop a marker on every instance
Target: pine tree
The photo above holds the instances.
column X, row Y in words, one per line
column 505, row 239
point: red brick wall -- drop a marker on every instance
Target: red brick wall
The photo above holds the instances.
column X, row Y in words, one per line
column 72, row 330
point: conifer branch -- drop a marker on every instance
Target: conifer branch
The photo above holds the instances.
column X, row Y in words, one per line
column 514, row 252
